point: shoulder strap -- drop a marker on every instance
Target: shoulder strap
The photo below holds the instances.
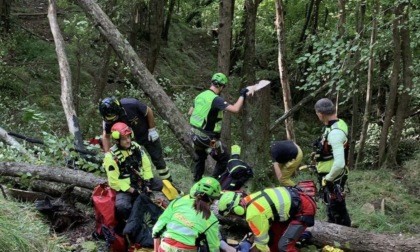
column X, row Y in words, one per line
column 209, row 227
column 202, row 237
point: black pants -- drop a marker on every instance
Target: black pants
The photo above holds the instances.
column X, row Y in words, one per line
column 202, row 149
column 156, row 154
column 336, row 205
column 124, row 200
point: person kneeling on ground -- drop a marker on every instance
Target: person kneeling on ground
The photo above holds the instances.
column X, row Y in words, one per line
column 188, row 223
column 279, row 215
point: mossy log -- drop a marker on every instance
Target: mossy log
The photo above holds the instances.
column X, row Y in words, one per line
column 54, row 174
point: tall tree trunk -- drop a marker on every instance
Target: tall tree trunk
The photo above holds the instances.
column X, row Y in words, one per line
column 156, row 10
column 303, row 35
column 369, row 84
column 313, row 30
column 384, row 63
column 357, row 90
column 163, row 104
column 136, row 19
column 223, row 61
column 5, row 16
column 393, row 86
column 404, row 96
column 165, row 33
column 101, row 77
column 282, row 59
column 256, row 113
column 76, row 82
column 65, row 75
column 340, row 30
column 341, row 17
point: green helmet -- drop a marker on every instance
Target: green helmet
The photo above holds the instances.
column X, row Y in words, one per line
column 209, row 186
column 228, row 201
column 219, row 79
column 193, row 190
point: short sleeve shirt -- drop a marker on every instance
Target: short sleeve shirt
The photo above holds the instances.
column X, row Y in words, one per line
column 135, row 116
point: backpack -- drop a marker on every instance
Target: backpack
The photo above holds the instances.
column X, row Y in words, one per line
column 103, row 198
column 235, row 176
column 308, row 187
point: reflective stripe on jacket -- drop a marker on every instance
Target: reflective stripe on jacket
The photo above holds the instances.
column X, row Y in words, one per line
column 325, row 166
column 112, row 161
column 181, row 222
column 201, row 117
column 259, row 213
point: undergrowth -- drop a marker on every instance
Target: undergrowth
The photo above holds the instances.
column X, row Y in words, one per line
column 22, row 229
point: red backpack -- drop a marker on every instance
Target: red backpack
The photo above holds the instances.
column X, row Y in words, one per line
column 104, row 202
column 308, row 187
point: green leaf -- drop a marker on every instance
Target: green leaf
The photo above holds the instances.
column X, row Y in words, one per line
column 88, row 246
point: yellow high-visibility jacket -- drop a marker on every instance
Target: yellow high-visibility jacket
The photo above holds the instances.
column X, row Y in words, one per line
column 259, row 213
column 115, row 160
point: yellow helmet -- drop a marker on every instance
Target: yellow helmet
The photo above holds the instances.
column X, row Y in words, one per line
column 235, row 150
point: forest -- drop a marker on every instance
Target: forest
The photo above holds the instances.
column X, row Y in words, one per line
column 59, row 59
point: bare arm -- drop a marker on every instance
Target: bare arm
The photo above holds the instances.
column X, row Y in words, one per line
column 277, row 170
column 106, row 141
column 237, row 106
column 150, row 118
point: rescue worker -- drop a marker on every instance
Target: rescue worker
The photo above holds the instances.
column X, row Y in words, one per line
column 237, row 172
column 331, row 157
column 206, row 122
column 128, row 170
column 140, row 118
column 276, row 216
column 182, row 222
column 286, row 156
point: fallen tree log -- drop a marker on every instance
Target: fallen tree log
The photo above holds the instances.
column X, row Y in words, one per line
column 353, row 239
column 53, row 189
column 54, row 174
column 350, row 239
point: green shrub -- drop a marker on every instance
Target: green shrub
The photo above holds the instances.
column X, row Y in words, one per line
column 22, row 230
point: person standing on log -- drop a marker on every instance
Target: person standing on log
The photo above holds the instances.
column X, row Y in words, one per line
column 189, row 220
column 286, row 156
column 276, row 216
column 139, row 117
column 331, row 156
column 206, row 122
column 129, row 171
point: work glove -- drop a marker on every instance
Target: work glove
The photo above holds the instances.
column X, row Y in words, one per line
column 324, row 182
column 153, row 135
column 328, row 184
column 244, row 246
column 243, row 92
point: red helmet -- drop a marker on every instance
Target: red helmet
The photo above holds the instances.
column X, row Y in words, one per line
column 120, row 129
